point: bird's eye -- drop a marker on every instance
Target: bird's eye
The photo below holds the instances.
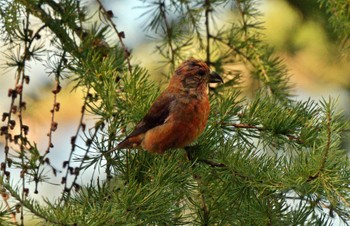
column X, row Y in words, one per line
column 201, row 72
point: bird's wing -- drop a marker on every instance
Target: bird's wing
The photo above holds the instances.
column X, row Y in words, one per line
column 156, row 115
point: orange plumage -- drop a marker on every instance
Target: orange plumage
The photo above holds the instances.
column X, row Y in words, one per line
column 179, row 115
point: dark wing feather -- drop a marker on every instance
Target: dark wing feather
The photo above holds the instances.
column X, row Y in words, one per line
column 156, row 115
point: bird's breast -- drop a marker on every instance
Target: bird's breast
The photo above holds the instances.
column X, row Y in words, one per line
column 191, row 116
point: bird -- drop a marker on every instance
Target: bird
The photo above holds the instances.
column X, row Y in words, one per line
column 179, row 114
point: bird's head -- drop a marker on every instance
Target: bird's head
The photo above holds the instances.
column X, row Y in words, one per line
column 194, row 74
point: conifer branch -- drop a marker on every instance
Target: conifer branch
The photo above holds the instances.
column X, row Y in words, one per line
column 255, row 58
column 28, row 205
column 53, row 24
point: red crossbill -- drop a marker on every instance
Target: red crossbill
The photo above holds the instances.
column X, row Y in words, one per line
column 179, row 115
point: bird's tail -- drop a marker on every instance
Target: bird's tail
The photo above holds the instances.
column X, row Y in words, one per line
column 129, row 142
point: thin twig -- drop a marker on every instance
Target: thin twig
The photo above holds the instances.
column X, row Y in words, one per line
column 55, row 105
column 21, row 74
column 207, row 11
column 197, row 178
column 168, row 30
column 53, row 124
column 5, row 129
column 5, row 196
column 76, row 173
column 223, row 165
column 194, row 22
column 73, row 144
column 247, row 126
column 328, row 144
column 212, row 163
column 119, row 34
